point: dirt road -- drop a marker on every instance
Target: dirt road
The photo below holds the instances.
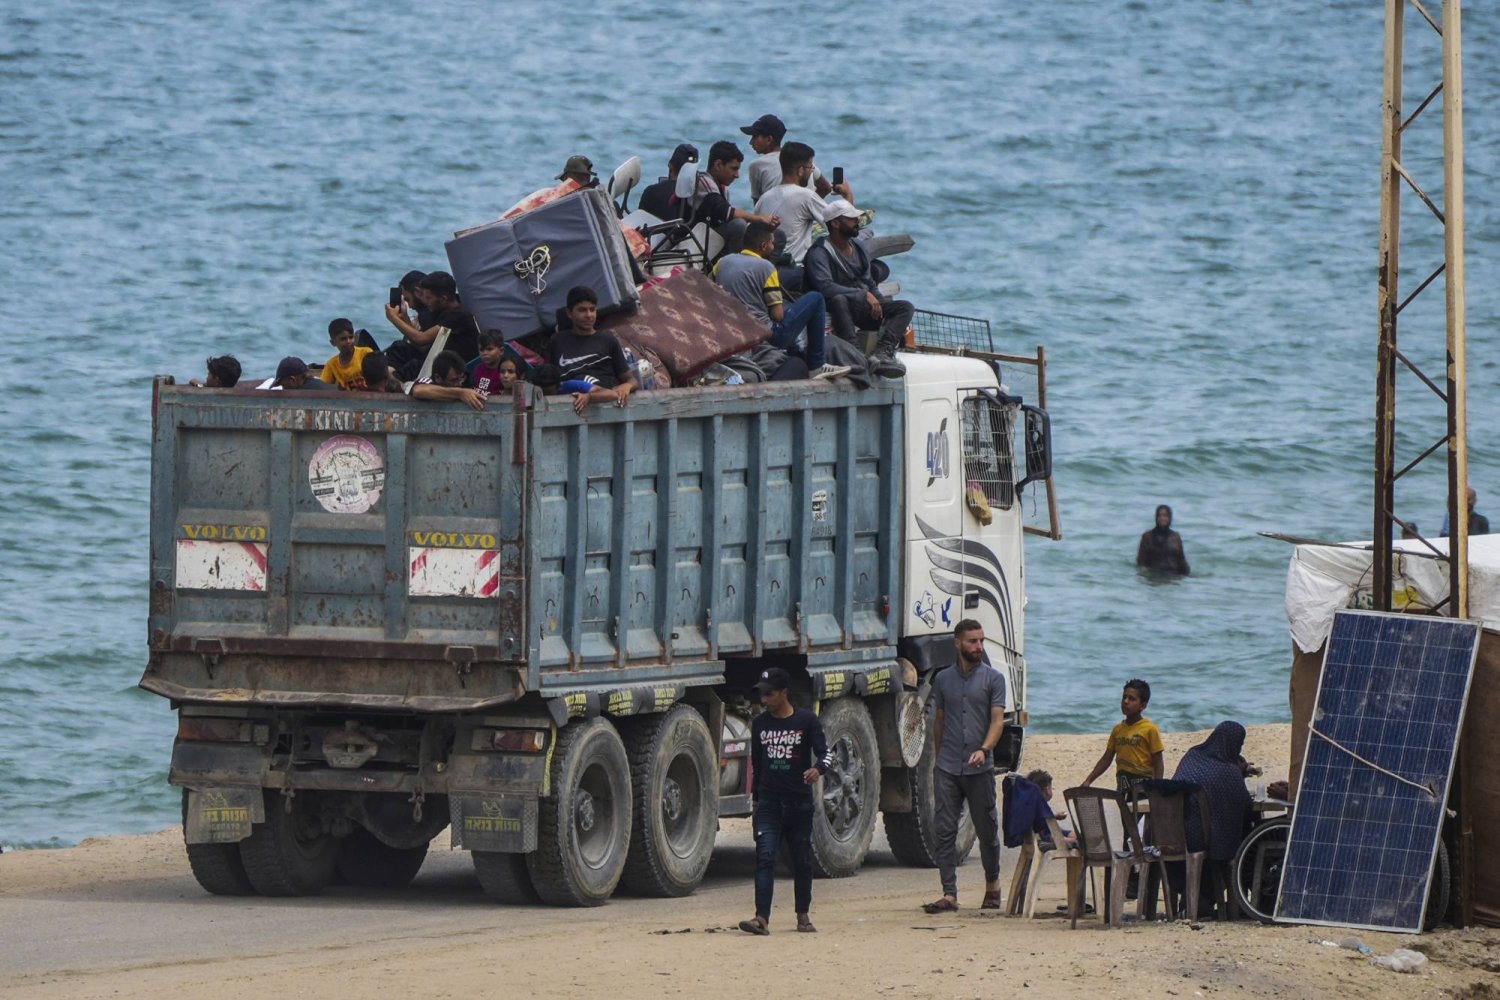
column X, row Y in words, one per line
column 122, row 917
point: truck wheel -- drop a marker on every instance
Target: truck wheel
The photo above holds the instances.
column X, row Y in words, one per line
column 911, row 834
column 364, row 860
column 290, row 854
column 849, row 794
column 583, row 831
column 504, row 877
column 674, row 772
column 217, row 867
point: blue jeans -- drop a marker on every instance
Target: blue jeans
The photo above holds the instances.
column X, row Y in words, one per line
column 807, row 313
column 775, row 820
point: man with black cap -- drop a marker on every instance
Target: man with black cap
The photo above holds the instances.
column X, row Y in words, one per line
column 291, row 373
column 766, row 133
column 581, row 169
column 788, row 754
column 658, row 198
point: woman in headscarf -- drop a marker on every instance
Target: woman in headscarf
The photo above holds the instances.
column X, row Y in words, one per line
column 1215, row 766
column 1161, row 547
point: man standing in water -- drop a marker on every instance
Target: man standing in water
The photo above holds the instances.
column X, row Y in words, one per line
column 1161, row 547
column 970, row 716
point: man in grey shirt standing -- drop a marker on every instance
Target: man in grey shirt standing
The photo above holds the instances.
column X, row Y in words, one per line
column 970, row 716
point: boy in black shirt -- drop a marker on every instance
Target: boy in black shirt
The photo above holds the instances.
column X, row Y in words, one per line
column 591, row 361
column 788, row 753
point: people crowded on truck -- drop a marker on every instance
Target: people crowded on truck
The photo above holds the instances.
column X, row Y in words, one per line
column 838, row 266
column 453, row 328
column 752, row 279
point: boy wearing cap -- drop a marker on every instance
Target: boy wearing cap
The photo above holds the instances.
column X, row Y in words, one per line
column 788, row 754
column 766, row 133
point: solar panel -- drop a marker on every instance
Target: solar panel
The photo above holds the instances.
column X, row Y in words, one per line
column 1379, row 759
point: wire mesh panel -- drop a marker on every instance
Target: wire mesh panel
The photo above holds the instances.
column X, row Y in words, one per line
column 935, row 329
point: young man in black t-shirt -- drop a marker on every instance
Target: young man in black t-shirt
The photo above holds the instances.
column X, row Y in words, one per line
column 453, row 329
column 590, row 364
column 788, row 754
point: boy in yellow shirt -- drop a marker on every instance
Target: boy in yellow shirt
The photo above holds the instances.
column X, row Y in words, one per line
column 1134, row 744
column 343, row 369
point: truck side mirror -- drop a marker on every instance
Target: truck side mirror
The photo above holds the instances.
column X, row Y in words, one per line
column 1038, row 446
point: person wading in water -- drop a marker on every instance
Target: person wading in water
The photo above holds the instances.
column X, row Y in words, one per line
column 1161, row 547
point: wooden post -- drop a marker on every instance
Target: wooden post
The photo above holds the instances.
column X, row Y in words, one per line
column 1388, row 300
column 1458, row 441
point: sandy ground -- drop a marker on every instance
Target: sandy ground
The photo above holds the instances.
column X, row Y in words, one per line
column 122, row 917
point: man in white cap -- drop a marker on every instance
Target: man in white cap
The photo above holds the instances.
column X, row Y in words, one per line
column 839, row 268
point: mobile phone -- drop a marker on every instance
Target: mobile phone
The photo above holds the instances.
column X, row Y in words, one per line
column 838, row 176
column 396, row 297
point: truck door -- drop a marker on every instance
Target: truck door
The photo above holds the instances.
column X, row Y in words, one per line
column 986, row 568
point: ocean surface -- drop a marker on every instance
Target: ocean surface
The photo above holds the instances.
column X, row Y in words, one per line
column 1180, row 201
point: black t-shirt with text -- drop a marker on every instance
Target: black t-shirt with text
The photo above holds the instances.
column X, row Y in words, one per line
column 781, row 751
column 596, row 358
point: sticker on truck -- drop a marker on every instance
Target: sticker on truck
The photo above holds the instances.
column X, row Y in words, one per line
column 450, row 572
column 346, row 474
column 205, row 565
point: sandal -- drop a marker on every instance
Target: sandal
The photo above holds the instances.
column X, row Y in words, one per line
column 991, row 901
column 806, row 927
column 755, row 926
column 944, row 905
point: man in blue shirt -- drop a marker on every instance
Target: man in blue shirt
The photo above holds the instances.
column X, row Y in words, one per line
column 970, row 716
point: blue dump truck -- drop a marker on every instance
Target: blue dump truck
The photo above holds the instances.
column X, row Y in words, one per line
column 378, row 617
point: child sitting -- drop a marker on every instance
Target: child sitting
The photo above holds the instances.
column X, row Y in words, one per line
column 1134, row 744
column 223, row 373
column 591, row 365
column 344, row 368
column 486, row 371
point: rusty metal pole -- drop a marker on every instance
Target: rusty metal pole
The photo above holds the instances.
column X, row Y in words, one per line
column 1388, row 276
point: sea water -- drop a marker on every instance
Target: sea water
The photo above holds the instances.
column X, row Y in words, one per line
column 1180, row 201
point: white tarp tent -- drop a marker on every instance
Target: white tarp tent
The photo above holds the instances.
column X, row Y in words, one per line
column 1323, row 579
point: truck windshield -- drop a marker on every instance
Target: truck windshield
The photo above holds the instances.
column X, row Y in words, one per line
column 989, row 429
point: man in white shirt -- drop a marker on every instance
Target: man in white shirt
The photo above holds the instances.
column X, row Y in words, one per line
column 797, row 206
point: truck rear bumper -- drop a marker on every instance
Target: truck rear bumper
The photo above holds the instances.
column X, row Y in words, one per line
column 422, row 686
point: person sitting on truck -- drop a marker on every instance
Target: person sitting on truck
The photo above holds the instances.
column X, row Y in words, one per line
column 446, row 382
column 791, row 200
column 711, row 199
column 343, row 369
column 766, row 170
column 659, row 198
column 590, row 365
column 223, row 373
column 412, row 309
column 453, row 328
column 291, row 373
column 483, row 373
column 839, row 267
column 753, row 279
column 376, row 373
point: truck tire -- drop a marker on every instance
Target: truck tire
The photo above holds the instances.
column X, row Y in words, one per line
column 911, row 834
column 583, row 831
column 290, row 854
column 217, row 867
column 848, row 796
column 674, row 772
column 363, row 860
column 504, row 877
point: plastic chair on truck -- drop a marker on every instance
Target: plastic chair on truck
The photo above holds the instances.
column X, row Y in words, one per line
column 1107, row 839
column 1168, row 802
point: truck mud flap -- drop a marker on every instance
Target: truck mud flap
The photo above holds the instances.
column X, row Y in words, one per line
column 494, row 823
column 861, row 679
column 222, row 815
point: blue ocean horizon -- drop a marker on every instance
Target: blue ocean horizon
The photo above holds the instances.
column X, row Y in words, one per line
column 1181, row 205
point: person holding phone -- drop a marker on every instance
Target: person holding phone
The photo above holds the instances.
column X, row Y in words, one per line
column 797, row 206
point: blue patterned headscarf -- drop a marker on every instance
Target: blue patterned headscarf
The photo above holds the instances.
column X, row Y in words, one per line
column 1214, row 765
